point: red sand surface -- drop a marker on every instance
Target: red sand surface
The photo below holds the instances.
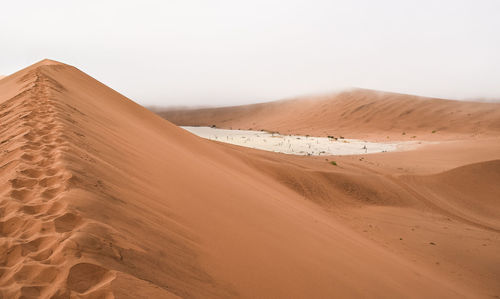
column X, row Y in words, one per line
column 102, row 198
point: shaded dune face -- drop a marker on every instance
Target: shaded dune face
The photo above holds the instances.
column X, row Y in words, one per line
column 357, row 113
column 101, row 198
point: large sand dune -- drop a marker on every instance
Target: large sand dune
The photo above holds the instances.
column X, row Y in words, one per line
column 101, row 198
column 357, row 113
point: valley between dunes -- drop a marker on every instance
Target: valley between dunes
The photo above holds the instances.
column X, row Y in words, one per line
column 101, row 198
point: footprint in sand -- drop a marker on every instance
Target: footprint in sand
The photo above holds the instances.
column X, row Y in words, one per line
column 33, row 222
column 85, row 276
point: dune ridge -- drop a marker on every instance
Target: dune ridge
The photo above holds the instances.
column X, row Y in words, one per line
column 455, row 188
column 357, row 113
column 102, row 198
column 36, row 220
column 44, row 236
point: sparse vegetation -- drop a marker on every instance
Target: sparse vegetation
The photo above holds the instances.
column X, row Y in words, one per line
column 333, row 163
column 433, row 131
column 213, row 126
column 404, row 133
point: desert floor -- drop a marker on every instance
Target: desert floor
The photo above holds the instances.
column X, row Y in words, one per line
column 299, row 144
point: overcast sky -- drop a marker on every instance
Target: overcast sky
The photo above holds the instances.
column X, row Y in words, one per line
column 234, row 52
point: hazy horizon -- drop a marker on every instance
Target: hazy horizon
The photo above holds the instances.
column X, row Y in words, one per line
column 196, row 53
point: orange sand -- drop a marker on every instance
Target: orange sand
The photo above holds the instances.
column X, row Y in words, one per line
column 357, row 113
column 101, row 198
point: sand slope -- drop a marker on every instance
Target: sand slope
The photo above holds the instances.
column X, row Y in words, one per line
column 445, row 222
column 102, row 198
column 357, row 113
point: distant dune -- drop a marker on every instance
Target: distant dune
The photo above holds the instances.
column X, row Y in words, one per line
column 101, row 198
column 355, row 113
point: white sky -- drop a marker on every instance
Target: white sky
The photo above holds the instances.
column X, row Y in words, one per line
column 233, row 52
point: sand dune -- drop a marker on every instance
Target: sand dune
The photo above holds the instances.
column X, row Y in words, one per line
column 454, row 189
column 100, row 198
column 389, row 199
column 357, row 113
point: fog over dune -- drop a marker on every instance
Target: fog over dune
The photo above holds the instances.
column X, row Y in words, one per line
column 169, row 53
column 250, row 149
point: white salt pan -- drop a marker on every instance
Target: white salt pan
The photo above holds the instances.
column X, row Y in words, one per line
column 298, row 145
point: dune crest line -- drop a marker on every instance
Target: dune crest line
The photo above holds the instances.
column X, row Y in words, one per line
column 36, row 223
column 66, row 226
